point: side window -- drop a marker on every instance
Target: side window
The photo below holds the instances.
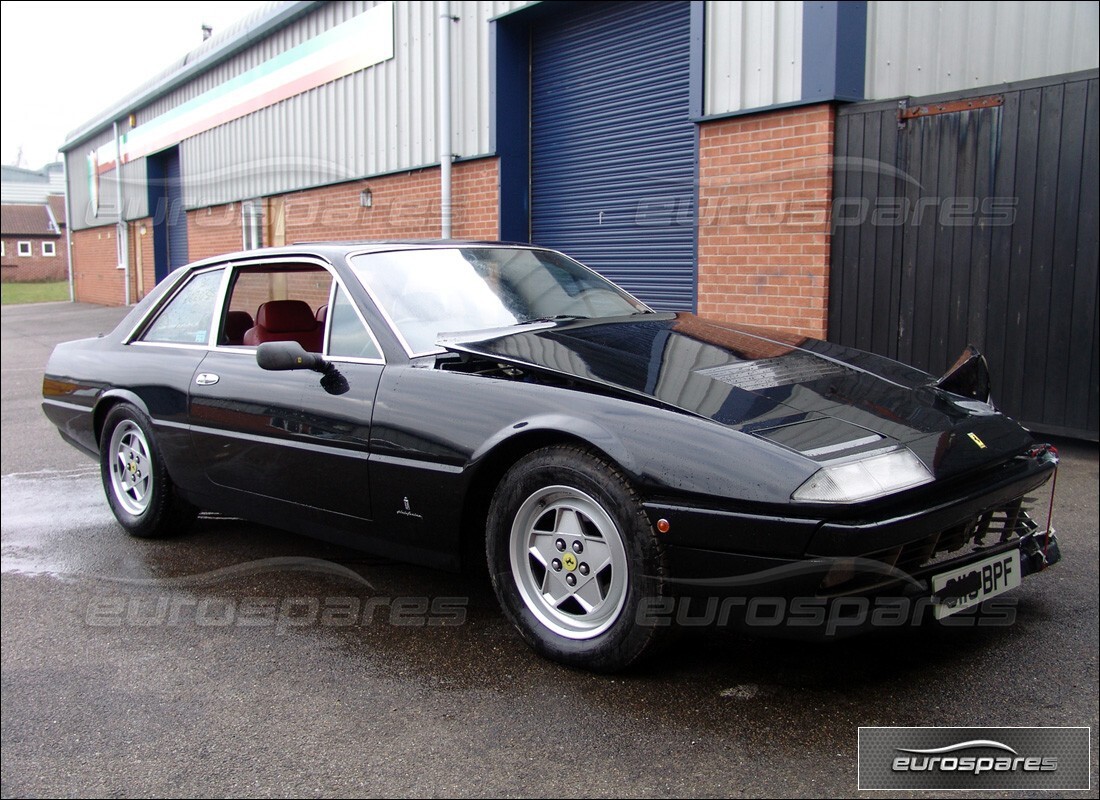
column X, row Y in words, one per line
column 276, row 303
column 348, row 337
column 187, row 317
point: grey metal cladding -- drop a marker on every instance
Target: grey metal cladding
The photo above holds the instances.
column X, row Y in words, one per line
column 375, row 121
column 753, row 55
column 378, row 120
column 927, row 48
column 321, row 19
column 76, row 168
column 135, row 192
column 219, row 48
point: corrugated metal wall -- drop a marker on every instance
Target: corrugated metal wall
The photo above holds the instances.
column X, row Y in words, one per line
column 364, row 124
column 977, row 226
column 378, row 120
column 920, row 48
column 135, row 198
column 26, row 192
column 30, row 192
column 753, row 55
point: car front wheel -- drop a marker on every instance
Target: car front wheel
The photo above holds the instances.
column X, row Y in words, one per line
column 572, row 556
column 135, row 479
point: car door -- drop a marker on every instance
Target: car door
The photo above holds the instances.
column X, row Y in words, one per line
column 280, row 436
column 164, row 351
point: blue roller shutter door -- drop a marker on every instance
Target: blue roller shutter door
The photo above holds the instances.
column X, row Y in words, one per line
column 613, row 148
column 166, row 208
column 177, row 217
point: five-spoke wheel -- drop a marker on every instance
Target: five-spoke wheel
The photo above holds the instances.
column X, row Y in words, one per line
column 573, row 556
column 131, row 467
column 139, row 490
column 569, row 562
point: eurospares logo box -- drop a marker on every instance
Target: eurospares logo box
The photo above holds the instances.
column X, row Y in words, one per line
column 938, row 759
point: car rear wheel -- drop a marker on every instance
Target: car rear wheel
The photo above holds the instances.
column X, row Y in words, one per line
column 572, row 556
column 135, row 479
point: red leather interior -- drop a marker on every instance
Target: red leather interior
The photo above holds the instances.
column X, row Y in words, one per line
column 237, row 324
column 285, row 321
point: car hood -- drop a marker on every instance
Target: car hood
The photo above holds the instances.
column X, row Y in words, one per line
column 820, row 399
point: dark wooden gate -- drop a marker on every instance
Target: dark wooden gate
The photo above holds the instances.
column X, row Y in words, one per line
column 972, row 218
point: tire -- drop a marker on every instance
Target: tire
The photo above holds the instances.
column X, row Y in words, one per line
column 571, row 556
column 135, row 479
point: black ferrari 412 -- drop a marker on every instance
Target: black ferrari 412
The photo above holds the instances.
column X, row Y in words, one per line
column 425, row 400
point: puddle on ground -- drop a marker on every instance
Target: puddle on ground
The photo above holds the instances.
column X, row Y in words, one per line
column 54, row 522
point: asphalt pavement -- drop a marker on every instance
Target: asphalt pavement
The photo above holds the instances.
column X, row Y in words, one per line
column 240, row 660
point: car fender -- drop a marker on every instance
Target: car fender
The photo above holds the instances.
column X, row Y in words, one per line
column 107, row 400
column 646, row 449
column 566, row 426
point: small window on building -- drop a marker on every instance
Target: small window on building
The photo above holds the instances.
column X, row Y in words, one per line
column 48, row 249
column 252, row 224
column 24, row 248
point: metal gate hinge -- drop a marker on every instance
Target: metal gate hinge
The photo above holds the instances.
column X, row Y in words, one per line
column 907, row 112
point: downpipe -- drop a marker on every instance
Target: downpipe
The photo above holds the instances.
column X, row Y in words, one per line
column 444, row 122
column 122, row 238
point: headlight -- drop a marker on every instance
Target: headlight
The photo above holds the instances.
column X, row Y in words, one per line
column 864, row 479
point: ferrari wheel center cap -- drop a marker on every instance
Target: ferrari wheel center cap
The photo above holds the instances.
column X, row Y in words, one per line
column 569, row 561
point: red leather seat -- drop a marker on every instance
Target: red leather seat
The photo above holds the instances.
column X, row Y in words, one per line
column 286, row 321
column 237, row 324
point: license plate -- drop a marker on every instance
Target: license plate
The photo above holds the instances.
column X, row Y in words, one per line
column 967, row 586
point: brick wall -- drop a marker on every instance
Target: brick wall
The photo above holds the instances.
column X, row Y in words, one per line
column 475, row 196
column 764, row 200
column 35, row 267
column 96, row 277
column 213, row 230
column 403, row 206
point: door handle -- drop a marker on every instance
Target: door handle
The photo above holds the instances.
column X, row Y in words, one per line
column 207, row 379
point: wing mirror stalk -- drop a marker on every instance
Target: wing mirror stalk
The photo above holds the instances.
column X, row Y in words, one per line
column 284, row 356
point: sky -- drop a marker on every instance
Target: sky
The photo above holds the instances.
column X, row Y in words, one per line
column 64, row 63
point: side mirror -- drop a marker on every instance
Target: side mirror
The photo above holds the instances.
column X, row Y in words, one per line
column 281, row 356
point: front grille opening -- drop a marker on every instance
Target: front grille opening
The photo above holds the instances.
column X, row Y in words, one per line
column 993, row 528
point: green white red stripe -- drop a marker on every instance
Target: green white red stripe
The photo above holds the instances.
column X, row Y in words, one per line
column 361, row 42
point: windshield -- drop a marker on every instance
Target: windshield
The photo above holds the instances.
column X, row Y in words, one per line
column 428, row 292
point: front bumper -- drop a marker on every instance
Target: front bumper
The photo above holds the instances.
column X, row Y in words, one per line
column 892, row 554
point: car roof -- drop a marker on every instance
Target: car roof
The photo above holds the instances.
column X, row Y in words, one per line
column 335, row 251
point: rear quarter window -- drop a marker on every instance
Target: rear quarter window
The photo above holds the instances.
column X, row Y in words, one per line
column 187, row 316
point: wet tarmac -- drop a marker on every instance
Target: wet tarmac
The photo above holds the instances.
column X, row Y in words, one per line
column 240, row 660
